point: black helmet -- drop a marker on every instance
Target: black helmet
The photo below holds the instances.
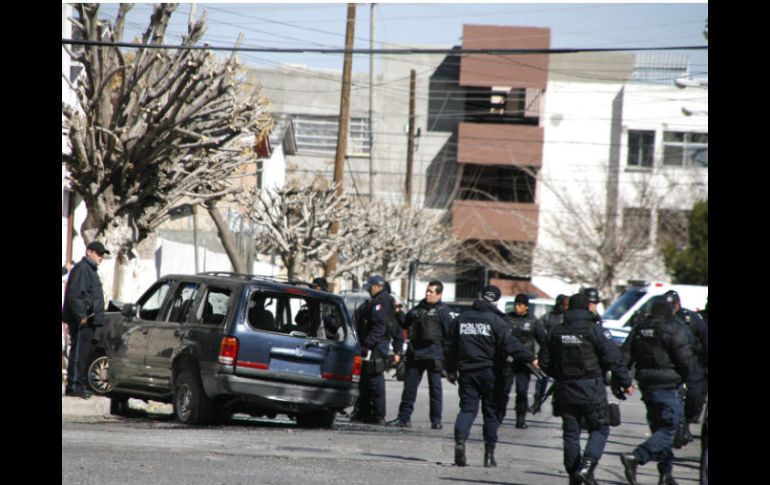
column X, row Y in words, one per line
column 592, row 294
column 661, row 306
column 672, row 296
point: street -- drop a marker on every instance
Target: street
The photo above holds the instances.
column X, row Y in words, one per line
column 153, row 448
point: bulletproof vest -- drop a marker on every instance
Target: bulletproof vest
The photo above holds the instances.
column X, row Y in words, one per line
column 695, row 343
column 427, row 326
column 573, row 351
column 553, row 319
column 524, row 330
column 647, row 345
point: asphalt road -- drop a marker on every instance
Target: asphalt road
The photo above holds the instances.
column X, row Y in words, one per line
column 152, row 449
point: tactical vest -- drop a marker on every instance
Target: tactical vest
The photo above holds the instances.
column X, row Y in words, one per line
column 647, row 346
column 427, row 327
column 524, row 330
column 573, row 352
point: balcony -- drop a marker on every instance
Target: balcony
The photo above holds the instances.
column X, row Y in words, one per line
column 489, row 144
column 486, row 220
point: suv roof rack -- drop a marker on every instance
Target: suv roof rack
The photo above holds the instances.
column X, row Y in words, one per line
column 246, row 276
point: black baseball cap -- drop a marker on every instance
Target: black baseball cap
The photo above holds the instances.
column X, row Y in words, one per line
column 490, row 293
column 98, row 248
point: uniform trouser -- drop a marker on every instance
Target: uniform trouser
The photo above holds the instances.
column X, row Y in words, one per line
column 694, row 399
column 371, row 400
column 664, row 412
column 474, row 386
column 540, row 387
column 522, row 387
column 598, row 431
column 412, row 379
column 80, row 349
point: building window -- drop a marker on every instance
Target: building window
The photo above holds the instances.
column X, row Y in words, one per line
column 636, row 227
column 641, row 146
column 682, row 149
column 319, row 134
column 502, row 184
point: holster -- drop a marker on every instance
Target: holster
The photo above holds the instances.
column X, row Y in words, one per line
column 613, row 410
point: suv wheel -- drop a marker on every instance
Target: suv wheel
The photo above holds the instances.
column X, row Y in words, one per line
column 317, row 419
column 98, row 375
column 119, row 406
column 191, row 404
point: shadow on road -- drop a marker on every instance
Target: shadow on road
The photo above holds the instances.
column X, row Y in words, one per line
column 465, row 480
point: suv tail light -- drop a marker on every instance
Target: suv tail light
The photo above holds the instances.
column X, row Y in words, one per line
column 356, row 368
column 228, row 350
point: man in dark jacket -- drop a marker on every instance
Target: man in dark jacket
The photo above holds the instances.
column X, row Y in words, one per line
column 480, row 340
column 373, row 335
column 547, row 322
column 428, row 325
column 659, row 349
column 527, row 330
column 577, row 354
column 83, row 312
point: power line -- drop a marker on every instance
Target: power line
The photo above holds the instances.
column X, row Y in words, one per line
column 402, row 51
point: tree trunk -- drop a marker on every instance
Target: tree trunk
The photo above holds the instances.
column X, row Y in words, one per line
column 228, row 240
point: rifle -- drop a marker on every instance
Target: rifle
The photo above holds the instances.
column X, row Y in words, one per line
column 536, row 372
column 535, row 408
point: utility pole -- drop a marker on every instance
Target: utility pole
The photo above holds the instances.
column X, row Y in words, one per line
column 371, row 104
column 342, row 134
column 409, row 158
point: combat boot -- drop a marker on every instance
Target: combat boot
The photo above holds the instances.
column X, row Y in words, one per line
column 460, row 454
column 574, row 480
column 667, row 479
column 489, row 456
column 586, row 473
column 521, row 421
column 630, row 462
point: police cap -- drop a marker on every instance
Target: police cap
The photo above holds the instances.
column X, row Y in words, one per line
column 592, row 294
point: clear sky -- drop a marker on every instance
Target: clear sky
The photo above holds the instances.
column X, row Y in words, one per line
column 319, row 25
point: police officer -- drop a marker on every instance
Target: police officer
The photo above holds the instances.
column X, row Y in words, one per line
column 548, row 321
column 526, row 329
column 576, row 354
column 372, row 331
column 593, row 302
column 83, row 312
column 428, row 324
column 695, row 394
column 660, row 350
column 480, row 339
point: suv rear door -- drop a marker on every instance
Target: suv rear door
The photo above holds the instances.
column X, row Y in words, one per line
column 292, row 337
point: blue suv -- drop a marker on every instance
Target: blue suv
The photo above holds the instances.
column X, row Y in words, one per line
column 215, row 344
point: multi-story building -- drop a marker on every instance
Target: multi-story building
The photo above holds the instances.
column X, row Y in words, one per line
column 511, row 146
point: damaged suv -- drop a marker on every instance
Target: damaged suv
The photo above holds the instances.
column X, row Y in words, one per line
column 215, row 344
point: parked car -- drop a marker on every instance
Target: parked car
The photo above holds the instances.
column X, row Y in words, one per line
column 215, row 344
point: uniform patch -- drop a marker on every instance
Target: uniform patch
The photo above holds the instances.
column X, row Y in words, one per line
column 571, row 340
column 475, row 329
column 608, row 334
column 647, row 332
column 378, row 307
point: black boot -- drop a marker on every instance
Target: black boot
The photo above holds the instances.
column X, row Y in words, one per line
column 586, row 472
column 489, row 456
column 521, row 420
column 630, row 462
column 687, row 435
column 460, row 453
column 667, row 479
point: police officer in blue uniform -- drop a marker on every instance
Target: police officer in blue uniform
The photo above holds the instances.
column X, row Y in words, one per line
column 548, row 321
column 660, row 350
column 527, row 330
column 695, row 394
column 577, row 354
column 373, row 335
column 479, row 340
column 428, row 325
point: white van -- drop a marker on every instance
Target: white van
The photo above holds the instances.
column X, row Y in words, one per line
column 617, row 318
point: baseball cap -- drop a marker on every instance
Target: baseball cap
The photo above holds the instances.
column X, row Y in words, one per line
column 490, row 293
column 374, row 280
column 98, row 248
column 592, row 294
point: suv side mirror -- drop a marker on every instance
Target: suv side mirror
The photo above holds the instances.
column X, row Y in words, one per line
column 129, row 310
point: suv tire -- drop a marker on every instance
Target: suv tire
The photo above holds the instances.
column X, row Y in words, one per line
column 191, row 404
column 98, row 375
column 317, row 419
column 119, row 406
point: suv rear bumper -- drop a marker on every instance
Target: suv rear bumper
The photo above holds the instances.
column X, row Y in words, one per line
column 284, row 396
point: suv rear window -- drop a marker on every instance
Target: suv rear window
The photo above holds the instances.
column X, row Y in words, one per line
column 296, row 315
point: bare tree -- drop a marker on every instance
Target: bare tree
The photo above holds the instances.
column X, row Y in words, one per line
column 153, row 129
column 389, row 237
column 294, row 220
